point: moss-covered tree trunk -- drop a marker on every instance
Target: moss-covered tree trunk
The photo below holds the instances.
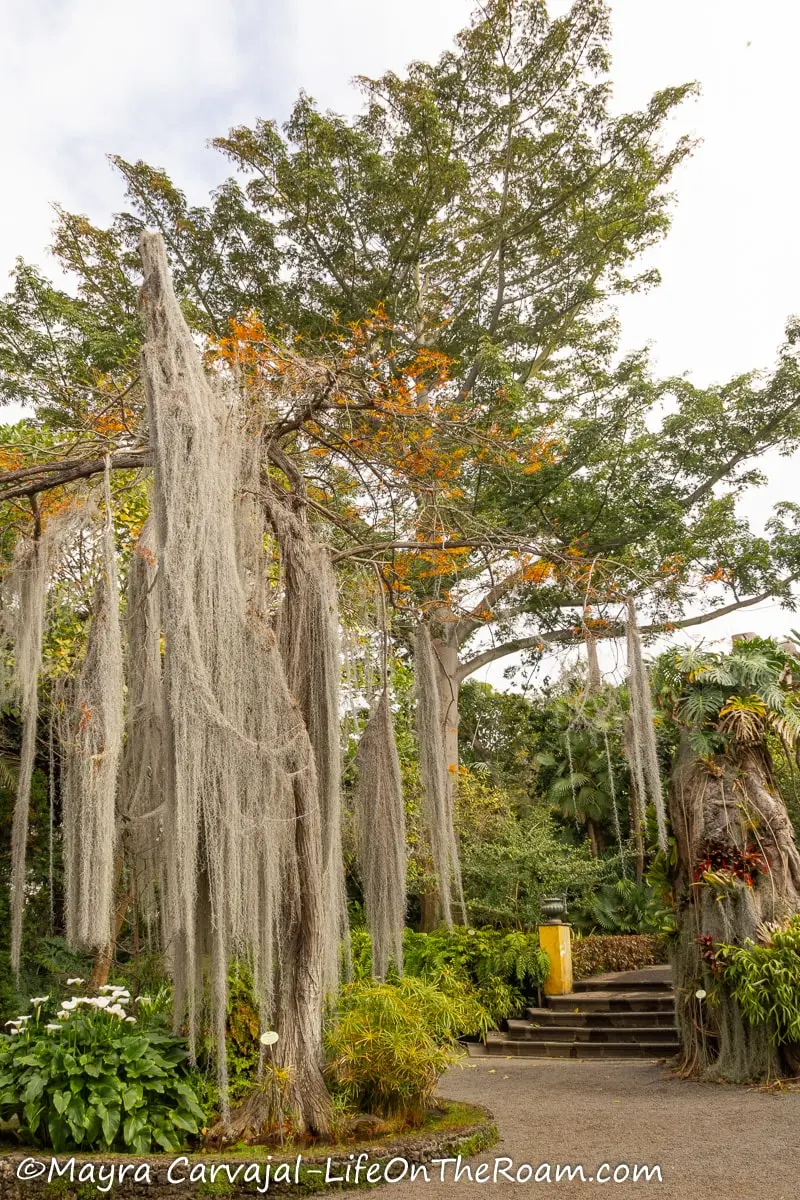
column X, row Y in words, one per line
column 723, row 813
column 446, row 651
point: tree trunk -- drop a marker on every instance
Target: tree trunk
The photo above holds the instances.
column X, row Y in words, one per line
column 636, row 831
column 594, row 839
column 447, row 678
column 729, row 807
column 429, row 909
column 300, row 981
column 101, row 965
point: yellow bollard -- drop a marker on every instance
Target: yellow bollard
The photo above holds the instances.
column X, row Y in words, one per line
column 556, row 941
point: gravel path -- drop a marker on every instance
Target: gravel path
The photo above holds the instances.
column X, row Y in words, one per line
column 710, row 1141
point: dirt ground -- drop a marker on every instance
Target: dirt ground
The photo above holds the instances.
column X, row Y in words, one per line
column 710, row 1141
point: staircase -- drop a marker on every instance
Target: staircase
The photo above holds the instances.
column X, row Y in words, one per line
column 629, row 1014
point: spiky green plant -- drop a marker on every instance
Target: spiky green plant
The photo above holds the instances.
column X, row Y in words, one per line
column 732, row 700
column 387, row 1044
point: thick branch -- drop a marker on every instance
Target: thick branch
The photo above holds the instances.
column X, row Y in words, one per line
column 573, row 634
column 377, row 547
column 29, row 481
column 477, row 617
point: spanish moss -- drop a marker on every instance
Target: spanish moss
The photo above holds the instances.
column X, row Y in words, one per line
column 92, row 736
column 381, row 837
column 437, row 791
column 642, row 741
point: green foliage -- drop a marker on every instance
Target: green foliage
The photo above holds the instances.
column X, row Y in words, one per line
column 504, row 969
column 506, row 874
column 625, row 906
column 387, row 1044
column 499, row 733
column 727, row 701
column 501, row 970
column 94, row 1080
column 599, row 953
column 764, row 980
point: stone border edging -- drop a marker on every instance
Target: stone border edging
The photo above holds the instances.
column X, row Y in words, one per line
column 466, row 1141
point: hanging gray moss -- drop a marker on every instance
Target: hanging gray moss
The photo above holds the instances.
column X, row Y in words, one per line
column 641, row 742
column 309, row 641
column 380, row 821
column 244, row 811
column 24, row 611
column 140, row 811
column 437, row 789
column 92, row 732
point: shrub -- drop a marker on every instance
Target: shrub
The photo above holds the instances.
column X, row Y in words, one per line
column 506, row 874
column 387, row 1044
column 503, row 969
column 624, row 906
column 91, row 1077
column 764, row 980
column 599, row 953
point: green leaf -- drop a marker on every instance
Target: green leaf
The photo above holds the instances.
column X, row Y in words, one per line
column 132, row 1128
column 33, row 1115
column 141, row 1143
column 110, row 1124
column 184, row 1121
column 166, row 1140
column 136, row 1048
column 58, row 1129
column 76, row 1110
column 93, row 1125
column 132, row 1096
column 34, row 1088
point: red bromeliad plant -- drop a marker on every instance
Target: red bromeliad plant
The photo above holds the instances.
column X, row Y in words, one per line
column 719, row 863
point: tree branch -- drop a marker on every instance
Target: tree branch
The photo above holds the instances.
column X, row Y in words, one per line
column 29, row 481
column 573, row 634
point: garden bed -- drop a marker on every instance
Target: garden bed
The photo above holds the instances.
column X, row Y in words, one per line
column 600, row 954
column 458, row 1129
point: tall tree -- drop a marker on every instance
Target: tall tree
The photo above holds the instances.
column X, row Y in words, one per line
column 737, row 865
column 455, row 247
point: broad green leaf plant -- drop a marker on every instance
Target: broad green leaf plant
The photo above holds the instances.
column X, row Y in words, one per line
column 88, row 1075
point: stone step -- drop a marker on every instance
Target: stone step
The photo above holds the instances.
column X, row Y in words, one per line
column 604, row 1001
column 499, row 1044
column 526, row 1031
column 552, row 1018
column 657, row 978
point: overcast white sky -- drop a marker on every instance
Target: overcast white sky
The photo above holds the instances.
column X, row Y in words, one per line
column 83, row 78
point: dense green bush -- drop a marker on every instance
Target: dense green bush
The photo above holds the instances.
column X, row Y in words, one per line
column 506, row 873
column 387, row 1044
column 625, row 907
column 503, row 970
column 89, row 1076
column 599, row 953
column 766, row 980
